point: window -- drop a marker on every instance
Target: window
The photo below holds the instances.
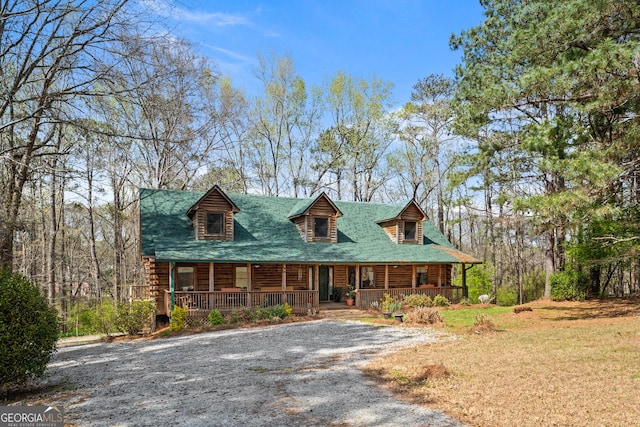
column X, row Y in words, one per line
column 410, row 230
column 215, row 223
column 321, row 227
column 242, row 279
column 366, row 277
column 184, row 279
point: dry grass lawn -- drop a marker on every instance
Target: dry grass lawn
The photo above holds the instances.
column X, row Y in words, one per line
column 561, row 364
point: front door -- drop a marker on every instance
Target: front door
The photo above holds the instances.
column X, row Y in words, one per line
column 323, row 282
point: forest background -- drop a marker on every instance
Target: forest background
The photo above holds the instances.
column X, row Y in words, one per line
column 528, row 159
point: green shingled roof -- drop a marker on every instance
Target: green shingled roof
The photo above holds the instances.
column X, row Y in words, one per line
column 264, row 233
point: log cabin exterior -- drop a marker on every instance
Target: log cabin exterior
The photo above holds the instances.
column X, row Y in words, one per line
column 227, row 251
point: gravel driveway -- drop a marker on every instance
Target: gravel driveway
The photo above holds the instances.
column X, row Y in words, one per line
column 300, row 374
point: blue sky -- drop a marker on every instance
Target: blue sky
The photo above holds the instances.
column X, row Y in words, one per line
column 398, row 41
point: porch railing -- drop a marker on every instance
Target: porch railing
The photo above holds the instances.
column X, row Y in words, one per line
column 200, row 303
column 366, row 296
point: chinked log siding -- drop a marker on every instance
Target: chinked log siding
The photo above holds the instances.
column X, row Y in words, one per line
column 158, row 276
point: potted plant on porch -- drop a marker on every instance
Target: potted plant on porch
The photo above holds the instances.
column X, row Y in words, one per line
column 350, row 296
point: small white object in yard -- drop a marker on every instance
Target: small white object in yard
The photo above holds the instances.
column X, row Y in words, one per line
column 484, row 298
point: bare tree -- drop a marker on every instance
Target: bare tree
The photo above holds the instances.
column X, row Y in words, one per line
column 48, row 52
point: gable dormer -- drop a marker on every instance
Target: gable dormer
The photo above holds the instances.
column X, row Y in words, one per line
column 317, row 219
column 212, row 216
column 405, row 225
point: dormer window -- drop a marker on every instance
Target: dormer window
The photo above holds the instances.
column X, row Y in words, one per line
column 403, row 224
column 215, row 223
column 321, row 227
column 212, row 216
column 410, row 230
column 316, row 219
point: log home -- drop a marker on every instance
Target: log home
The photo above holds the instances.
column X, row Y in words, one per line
column 226, row 251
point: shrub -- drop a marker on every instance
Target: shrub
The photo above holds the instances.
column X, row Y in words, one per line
column 418, row 300
column 178, row 318
column 279, row 311
column 483, row 323
column 507, row 296
column 216, row 318
column 28, row 330
column 288, row 309
column 389, row 304
column 103, row 317
column 242, row 315
column 423, row 315
column 133, row 318
column 534, row 285
column 569, row 285
column 440, row 301
column 465, row 301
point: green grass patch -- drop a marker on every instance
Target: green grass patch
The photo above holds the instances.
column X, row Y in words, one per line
column 465, row 318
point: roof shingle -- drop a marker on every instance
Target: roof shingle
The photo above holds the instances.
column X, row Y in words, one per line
column 263, row 233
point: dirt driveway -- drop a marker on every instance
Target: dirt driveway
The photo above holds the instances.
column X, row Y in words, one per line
column 300, row 374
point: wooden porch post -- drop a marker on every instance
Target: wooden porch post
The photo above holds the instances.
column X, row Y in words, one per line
column 386, row 276
column 465, row 290
column 331, row 280
column 414, row 273
column 284, row 277
column 249, row 276
column 211, row 280
column 316, row 279
column 439, row 275
column 172, row 285
column 357, row 301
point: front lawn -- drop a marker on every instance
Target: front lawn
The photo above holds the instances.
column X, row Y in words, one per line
column 564, row 364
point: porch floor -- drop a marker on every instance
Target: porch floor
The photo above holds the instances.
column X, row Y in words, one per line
column 330, row 305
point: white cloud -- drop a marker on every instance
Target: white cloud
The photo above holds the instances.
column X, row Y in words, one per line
column 166, row 9
column 229, row 53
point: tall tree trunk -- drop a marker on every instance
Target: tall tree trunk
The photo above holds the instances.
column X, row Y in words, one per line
column 549, row 260
column 95, row 264
column 64, row 279
column 117, row 241
column 53, row 234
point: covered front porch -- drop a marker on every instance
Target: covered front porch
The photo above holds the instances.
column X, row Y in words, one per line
column 201, row 287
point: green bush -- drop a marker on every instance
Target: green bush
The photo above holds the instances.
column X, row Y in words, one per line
column 103, row 317
column 418, row 300
column 28, row 330
column 534, row 285
column 133, row 318
column 440, row 301
column 389, row 304
column 265, row 313
column 288, row 309
column 507, row 296
column 569, row 285
column 242, row 315
column 178, row 318
column 216, row 318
